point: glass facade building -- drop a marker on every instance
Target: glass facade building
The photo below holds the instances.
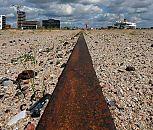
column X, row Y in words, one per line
column 51, row 23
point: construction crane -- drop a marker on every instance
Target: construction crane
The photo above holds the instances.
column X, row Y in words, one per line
column 17, row 7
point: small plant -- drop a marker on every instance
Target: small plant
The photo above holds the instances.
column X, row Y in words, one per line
column 27, row 58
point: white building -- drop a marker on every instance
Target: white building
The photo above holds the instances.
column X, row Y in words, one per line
column 2, row 21
column 125, row 24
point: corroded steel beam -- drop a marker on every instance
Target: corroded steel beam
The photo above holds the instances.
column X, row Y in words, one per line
column 77, row 102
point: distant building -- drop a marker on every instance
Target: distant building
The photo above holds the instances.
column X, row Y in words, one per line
column 51, row 23
column 7, row 26
column 2, row 21
column 30, row 25
column 125, row 24
column 21, row 17
column 23, row 24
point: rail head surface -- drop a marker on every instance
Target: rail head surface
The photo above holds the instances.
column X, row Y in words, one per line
column 77, row 102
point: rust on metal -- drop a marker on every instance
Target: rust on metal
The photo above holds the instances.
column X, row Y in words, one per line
column 77, row 102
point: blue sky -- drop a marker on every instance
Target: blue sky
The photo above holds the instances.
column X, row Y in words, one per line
column 96, row 13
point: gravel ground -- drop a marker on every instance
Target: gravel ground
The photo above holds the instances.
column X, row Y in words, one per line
column 51, row 50
column 123, row 61
column 128, row 93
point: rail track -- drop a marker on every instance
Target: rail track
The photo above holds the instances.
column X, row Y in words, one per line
column 77, row 102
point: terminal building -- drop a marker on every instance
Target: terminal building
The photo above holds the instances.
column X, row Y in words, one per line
column 50, row 23
column 23, row 24
column 125, row 24
column 2, row 21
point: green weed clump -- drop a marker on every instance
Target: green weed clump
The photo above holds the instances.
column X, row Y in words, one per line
column 28, row 60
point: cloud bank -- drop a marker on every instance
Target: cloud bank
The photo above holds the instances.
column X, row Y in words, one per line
column 96, row 13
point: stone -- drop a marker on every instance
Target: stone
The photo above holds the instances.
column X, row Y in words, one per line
column 23, row 107
column 24, row 88
column 1, row 96
column 130, row 68
column 26, row 74
column 18, row 93
column 4, row 44
column 110, row 102
column 10, row 41
column 65, row 43
column 7, row 110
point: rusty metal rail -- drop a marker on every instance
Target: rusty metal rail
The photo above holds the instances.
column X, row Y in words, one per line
column 77, row 102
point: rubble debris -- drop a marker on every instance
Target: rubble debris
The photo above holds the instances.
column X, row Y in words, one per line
column 35, row 109
column 17, row 117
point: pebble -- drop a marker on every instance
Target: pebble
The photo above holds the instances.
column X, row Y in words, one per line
column 110, row 102
column 65, row 43
column 4, row 44
column 130, row 68
column 1, row 96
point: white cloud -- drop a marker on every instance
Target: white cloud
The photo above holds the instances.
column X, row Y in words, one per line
column 102, row 12
column 10, row 15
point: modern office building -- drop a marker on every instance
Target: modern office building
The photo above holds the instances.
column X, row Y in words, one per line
column 51, row 23
column 2, row 21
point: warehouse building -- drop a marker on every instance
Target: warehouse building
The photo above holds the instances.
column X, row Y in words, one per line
column 51, row 23
column 2, row 21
